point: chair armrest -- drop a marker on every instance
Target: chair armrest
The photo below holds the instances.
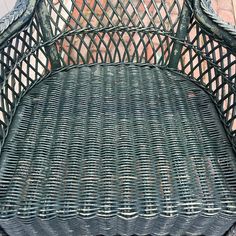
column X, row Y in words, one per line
column 22, row 58
column 210, row 21
column 16, row 19
column 209, row 58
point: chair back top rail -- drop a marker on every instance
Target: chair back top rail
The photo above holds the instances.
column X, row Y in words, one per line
column 23, row 11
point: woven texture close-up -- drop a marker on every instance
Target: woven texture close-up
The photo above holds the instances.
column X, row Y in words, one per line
column 117, row 117
column 136, row 145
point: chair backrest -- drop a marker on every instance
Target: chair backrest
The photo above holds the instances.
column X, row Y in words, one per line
column 96, row 31
column 79, row 14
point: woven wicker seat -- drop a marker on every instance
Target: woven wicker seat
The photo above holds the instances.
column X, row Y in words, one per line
column 117, row 117
column 133, row 146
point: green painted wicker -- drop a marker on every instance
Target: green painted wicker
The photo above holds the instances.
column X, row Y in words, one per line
column 117, row 118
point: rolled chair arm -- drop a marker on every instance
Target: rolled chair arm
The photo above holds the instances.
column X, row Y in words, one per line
column 210, row 21
column 16, row 19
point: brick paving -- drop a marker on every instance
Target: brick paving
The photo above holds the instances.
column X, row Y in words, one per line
column 226, row 9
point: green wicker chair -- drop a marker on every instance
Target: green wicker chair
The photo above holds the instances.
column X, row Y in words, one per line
column 117, row 117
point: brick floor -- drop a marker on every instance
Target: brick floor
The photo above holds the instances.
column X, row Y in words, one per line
column 226, row 9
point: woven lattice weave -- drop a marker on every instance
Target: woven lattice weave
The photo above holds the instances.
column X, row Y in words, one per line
column 113, row 149
column 95, row 138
